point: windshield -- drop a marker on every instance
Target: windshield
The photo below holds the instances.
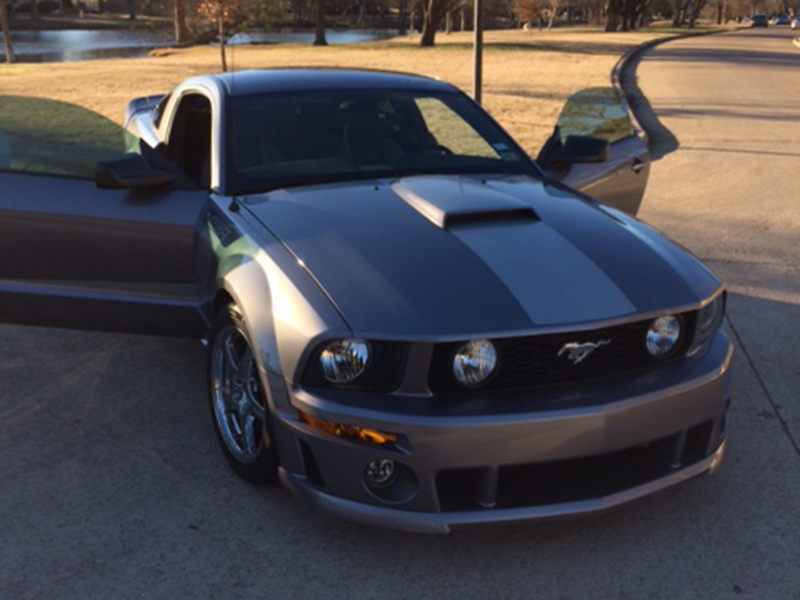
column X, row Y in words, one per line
column 301, row 138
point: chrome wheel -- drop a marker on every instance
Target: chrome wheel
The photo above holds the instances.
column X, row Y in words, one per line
column 237, row 397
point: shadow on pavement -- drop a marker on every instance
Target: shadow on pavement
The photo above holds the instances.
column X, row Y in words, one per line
column 738, row 151
column 729, row 112
column 788, row 59
column 661, row 140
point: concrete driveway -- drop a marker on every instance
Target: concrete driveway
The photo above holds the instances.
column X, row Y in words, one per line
column 112, row 485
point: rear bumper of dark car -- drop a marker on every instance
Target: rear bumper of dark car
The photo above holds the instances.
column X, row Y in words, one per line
column 554, row 452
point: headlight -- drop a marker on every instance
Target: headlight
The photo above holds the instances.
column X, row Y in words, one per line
column 474, row 362
column 709, row 320
column 344, row 360
column 663, row 335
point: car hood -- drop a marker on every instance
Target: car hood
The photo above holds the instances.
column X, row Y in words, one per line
column 448, row 257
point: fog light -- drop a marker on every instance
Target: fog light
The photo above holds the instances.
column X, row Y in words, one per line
column 380, row 473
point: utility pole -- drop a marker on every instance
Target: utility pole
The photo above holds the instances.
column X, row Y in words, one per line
column 221, row 24
column 477, row 78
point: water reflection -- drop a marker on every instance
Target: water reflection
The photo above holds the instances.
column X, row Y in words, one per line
column 301, row 36
column 78, row 45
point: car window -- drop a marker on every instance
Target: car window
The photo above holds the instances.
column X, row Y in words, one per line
column 596, row 112
column 286, row 139
column 190, row 139
column 158, row 114
column 451, row 131
column 55, row 138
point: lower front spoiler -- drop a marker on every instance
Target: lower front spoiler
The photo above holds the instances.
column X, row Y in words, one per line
column 428, row 522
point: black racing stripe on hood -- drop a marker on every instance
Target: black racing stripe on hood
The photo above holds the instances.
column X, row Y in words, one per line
column 645, row 277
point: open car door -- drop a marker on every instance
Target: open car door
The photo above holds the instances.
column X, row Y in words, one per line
column 618, row 176
column 75, row 255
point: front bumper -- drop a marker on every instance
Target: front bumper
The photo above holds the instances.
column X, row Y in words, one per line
column 428, row 522
column 552, row 452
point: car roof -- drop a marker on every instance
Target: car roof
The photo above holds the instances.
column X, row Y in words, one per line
column 245, row 83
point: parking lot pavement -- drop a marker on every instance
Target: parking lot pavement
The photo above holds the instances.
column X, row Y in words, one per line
column 112, row 485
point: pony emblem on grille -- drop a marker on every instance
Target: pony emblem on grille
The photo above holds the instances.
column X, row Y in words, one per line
column 578, row 352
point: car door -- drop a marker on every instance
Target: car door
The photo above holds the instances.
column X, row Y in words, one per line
column 77, row 256
column 619, row 180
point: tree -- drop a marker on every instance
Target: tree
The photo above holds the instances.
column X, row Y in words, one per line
column 553, row 7
column 695, row 7
column 9, row 47
column 719, row 5
column 433, row 11
column 222, row 13
column 529, row 11
column 181, row 29
column 613, row 15
column 625, row 15
column 319, row 33
column 686, row 12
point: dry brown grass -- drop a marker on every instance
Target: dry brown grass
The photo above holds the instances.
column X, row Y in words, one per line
column 528, row 75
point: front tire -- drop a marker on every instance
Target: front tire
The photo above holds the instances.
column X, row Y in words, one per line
column 239, row 406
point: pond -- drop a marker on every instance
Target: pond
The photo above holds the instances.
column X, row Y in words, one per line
column 304, row 36
column 78, row 45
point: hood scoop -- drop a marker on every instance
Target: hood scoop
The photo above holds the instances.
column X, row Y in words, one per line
column 448, row 201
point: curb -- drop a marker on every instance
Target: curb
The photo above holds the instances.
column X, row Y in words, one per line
column 621, row 73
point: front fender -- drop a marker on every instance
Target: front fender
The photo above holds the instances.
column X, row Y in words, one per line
column 285, row 312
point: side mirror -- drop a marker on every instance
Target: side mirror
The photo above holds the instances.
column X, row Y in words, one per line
column 130, row 172
column 582, row 149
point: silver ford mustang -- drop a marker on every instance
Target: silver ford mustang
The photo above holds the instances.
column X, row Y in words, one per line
column 410, row 322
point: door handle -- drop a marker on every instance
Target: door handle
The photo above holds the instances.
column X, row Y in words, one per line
column 638, row 165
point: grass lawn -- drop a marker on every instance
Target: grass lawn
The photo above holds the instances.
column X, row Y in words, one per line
column 527, row 74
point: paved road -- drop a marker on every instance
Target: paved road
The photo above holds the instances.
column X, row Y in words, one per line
column 112, row 486
column 725, row 184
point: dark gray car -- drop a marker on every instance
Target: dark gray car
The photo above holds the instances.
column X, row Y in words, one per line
column 410, row 322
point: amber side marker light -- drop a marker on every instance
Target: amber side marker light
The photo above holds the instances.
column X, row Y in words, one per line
column 348, row 431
